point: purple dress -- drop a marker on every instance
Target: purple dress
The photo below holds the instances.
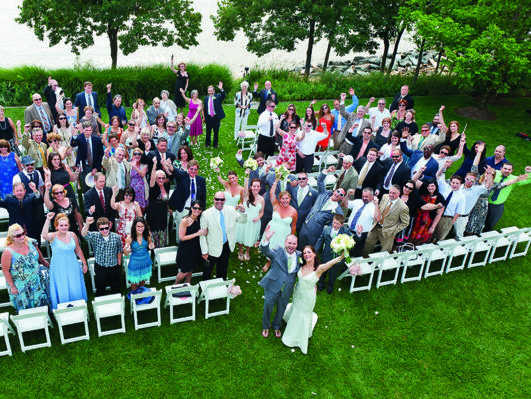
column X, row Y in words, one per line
column 137, row 183
column 196, row 128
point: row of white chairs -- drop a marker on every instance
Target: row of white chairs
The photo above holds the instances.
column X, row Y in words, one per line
column 435, row 259
column 76, row 312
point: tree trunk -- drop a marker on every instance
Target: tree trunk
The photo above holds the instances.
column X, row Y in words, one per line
column 395, row 49
column 439, row 61
column 385, row 52
column 113, row 40
column 310, row 48
column 419, row 61
column 327, row 55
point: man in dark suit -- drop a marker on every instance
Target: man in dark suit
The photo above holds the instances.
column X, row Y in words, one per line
column 87, row 97
column 325, row 207
column 397, row 171
column 213, row 111
column 403, row 95
column 97, row 201
column 22, row 209
column 39, row 111
column 324, row 241
column 418, row 159
column 189, row 187
column 302, row 198
column 161, row 153
column 115, row 107
column 89, row 153
column 278, row 283
column 265, row 94
column 370, row 173
column 51, row 98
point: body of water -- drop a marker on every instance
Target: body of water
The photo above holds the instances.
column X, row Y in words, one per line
column 21, row 47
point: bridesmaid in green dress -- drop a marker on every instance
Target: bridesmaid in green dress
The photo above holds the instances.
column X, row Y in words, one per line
column 299, row 314
column 248, row 233
column 233, row 191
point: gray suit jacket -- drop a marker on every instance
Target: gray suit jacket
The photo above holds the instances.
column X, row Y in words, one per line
column 350, row 180
column 32, row 113
column 278, row 275
column 344, row 147
column 177, row 140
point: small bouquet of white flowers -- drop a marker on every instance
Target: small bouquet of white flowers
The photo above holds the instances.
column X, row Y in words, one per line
column 216, row 162
column 355, row 270
column 250, row 164
column 282, row 173
column 343, row 243
column 233, row 290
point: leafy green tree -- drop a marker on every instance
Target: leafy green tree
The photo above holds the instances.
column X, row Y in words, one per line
column 128, row 24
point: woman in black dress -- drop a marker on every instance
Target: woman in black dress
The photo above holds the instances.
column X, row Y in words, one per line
column 59, row 173
column 58, row 202
column 182, row 83
column 189, row 251
column 157, row 209
column 8, row 132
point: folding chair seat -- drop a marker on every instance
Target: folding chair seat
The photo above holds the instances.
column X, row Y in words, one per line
column 174, row 297
column 367, row 273
column 165, row 257
column 68, row 313
column 155, row 304
column 500, row 245
column 411, row 261
column 32, row 320
column 5, row 330
column 4, row 216
column 109, row 306
column 435, row 260
column 386, row 264
column 454, row 250
column 248, row 139
column 212, row 290
column 3, row 238
column 521, row 239
column 479, row 250
column 3, row 290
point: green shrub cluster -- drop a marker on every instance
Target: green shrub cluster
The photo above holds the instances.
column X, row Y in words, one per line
column 17, row 85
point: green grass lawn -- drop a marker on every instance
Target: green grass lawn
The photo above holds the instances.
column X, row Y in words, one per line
column 461, row 335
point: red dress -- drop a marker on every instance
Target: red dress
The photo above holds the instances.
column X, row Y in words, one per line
column 324, row 142
column 423, row 222
column 288, row 152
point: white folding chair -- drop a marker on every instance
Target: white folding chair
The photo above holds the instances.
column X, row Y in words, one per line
column 32, row 320
column 109, row 306
column 367, row 273
column 164, row 257
column 155, row 304
column 68, row 313
column 499, row 244
column 521, row 239
column 249, row 140
column 174, row 298
column 479, row 250
column 454, row 250
column 3, row 287
column 3, row 238
column 4, row 216
column 412, row 262
column 212, row 290
column 386, row 264
column 435, row 260
column 5, row 330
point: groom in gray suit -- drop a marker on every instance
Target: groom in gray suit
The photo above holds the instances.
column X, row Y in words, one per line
column 278, row 283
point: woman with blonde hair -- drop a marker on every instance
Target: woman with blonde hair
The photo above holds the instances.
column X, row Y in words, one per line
column 59, row 203
column 20, row 265
column 157, row 209
column 66, row 278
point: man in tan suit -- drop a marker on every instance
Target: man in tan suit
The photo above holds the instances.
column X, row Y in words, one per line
column 390, row 217
column 39, row 111
column 117, row 169
column 216, row 246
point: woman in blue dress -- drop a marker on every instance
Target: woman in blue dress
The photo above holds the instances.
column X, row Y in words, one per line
column 9, row 166
column 138, row 244
column 20, row 265
column 66, row 278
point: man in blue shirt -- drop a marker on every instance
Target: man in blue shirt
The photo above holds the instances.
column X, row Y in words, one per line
column 498, row 159
column 115, row 108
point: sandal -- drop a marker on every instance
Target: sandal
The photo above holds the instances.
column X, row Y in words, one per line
column 240, row 256
column 278, row 333
column 265, row 333
column 246, row 257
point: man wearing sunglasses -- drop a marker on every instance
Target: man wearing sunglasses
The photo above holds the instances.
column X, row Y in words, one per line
column 29, row 174
column 217, row 245
column 397, row 171
column 327, row 204
column 267, row 126
column 107, row 247
column 302, row 198
column 354, row 126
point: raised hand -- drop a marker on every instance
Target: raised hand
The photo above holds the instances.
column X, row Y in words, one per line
column 313, row 102
column 372, row 99
column 90, row 219
column 448, row 163
column 151, row 245
column 109, row 87
column 50, row 215
column 155, row 161
column 442, row 108
column 256, row 86
column 480, row 147
column 375, row 201
column 19, row 124
column 350, row 192
column 92, row 209
column 32, row 186
column 220, row 85
column 331, row 169
column 115, row 189
column 343, row 96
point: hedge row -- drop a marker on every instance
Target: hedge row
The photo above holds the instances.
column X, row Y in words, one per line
column 17, row 85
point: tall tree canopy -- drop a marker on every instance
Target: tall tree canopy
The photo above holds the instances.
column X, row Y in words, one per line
column 128, row 24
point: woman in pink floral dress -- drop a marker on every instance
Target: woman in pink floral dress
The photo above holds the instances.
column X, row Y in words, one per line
column 288, row 151
column 128, row 210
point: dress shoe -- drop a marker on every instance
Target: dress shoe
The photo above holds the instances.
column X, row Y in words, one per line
column 329, row 290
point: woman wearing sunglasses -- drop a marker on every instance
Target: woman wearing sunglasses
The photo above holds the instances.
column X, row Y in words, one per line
column 20, row 265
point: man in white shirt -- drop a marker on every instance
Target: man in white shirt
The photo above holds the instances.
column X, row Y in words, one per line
column 362, row 216
column 377, row 114
column 455, row 205
column 306, row 147
column 267, row 125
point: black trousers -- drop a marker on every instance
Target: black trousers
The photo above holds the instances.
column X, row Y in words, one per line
column 304, row 164
column 107, row 276
column 222, row 262
column 266, row 145
column 212, row 123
